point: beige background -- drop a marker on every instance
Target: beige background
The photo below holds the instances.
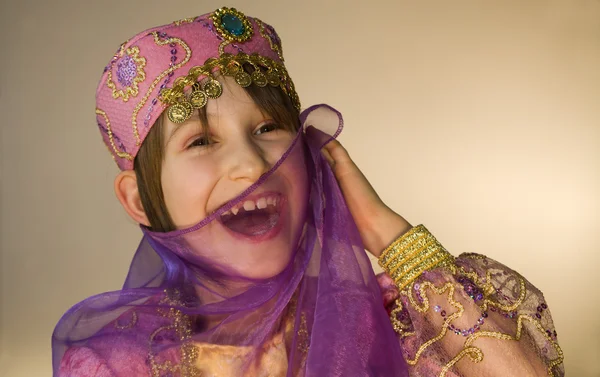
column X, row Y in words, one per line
column 480, row 119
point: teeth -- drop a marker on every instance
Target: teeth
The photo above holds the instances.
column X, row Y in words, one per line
column 261, row 203
column 249, row 205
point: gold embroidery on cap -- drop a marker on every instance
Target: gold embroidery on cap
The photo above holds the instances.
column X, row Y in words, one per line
column 134, row 63
column 274, row 46
column 188, row 55
column 183, row 21
column 222, row 46
column 111, row 137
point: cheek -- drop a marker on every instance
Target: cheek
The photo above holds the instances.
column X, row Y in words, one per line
column 295, row 169
column 186, row 188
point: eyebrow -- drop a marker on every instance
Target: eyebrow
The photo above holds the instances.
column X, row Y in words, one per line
column 187, row 123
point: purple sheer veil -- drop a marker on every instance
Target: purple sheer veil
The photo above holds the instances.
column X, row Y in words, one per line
column 184, row 310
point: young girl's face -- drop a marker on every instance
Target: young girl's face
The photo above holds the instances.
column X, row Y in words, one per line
column 201, row 173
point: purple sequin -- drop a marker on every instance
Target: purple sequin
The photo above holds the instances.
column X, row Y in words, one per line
column 273, row 35
column 470, row 288
column 116, row 138
column 126, row 70
column 472, row 330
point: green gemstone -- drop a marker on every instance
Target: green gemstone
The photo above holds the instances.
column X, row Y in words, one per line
column 233, row 24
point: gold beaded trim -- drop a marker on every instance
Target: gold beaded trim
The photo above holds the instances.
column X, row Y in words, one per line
column 447, row 288
column 111, row 138
column 413, row 253
column 398, row 326
column 181, row 106
column 274, row 46
column 183, row 21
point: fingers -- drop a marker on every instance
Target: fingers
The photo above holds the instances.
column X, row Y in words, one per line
column 333, row 151
column 336, row 151
column 328, row 157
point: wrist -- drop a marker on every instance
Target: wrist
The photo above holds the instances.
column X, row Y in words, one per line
column 386, row 229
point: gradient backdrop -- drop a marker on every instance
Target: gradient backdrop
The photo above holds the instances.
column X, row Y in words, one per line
column 480, row 119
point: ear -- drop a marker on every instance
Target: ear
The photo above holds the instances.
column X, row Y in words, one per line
column 126, row 189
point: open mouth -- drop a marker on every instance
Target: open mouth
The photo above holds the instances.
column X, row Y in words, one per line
column 255, row 217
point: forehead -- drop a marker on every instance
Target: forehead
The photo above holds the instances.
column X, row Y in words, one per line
column 235, row 100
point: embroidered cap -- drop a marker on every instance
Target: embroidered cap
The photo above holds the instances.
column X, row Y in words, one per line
column 171, row 68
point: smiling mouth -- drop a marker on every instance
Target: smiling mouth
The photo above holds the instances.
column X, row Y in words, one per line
column 255, row 217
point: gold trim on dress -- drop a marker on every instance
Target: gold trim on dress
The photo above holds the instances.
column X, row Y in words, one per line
column 413, row 253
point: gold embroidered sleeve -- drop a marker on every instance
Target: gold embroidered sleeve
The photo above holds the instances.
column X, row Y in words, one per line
column 465, row 316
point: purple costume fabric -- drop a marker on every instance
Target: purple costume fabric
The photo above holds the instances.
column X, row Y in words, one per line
column 178, row 294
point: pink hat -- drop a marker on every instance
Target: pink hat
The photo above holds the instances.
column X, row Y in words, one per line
column 151, row 72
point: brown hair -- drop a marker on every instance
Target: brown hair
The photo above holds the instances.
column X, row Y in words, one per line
column 148, row 162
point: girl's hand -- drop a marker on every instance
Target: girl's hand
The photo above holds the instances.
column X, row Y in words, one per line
column 377, row 224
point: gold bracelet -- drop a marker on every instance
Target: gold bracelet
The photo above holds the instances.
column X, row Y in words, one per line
column 413, row 253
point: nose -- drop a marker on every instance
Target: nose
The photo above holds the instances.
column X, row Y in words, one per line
column 248, row 162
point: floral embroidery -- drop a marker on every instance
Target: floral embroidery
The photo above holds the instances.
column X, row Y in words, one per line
column 126, row 71
column 130, row 72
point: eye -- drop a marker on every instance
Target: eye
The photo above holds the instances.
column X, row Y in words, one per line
column 267, row 128
column 202, row 141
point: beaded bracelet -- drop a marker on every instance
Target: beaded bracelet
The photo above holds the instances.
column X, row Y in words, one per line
column 412, row 253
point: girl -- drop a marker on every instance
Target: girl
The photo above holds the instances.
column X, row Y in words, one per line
column 255, row 221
